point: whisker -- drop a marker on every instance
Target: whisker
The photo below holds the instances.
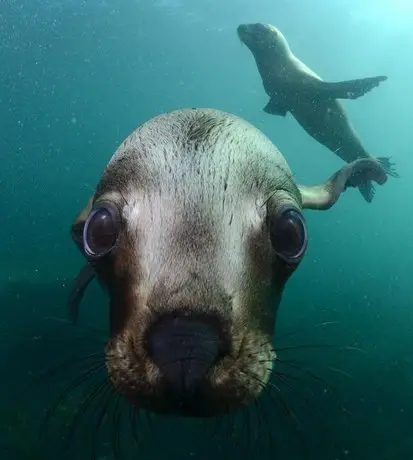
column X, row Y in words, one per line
column 76, row 383
column 341, row 372
column 326, row 385
column 50, row 371
column 229, row 431
column 267, row 424
column 256, row 428
column 280, row 403
column 311, row 328
column 302, row 347
column 233, row 426
column 133, row 415
column 290, row 414
column 84, row 407
column 109, row 392
column 311, row 346
column 284, row 379
column 295, row 365
column 217, row 427
column 210, row 434
column 360, row 350
column 247, row 425
column 116, row 442
column 150, row 425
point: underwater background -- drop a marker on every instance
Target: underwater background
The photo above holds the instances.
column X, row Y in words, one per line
column 76, row 77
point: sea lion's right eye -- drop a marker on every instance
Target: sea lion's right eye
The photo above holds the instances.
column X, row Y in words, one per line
column 288, row 234
column 101, row 230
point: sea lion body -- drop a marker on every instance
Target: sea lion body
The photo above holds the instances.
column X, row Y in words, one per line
column 194, row 229
column 336, row 128
column 293, row 87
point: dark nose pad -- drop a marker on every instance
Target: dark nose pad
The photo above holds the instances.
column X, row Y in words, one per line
column 184, row 348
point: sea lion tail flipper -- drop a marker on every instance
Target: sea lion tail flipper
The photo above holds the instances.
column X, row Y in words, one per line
column 81, row 282
column 388, row 166
column 367, row 189
column 275, row 106
column 349, row 89
column 358, row 173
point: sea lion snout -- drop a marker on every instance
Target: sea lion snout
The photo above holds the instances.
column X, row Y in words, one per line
column 260, row 37
column 184, row 348
column 247, row 33
column 248, row 30
column 242, row 29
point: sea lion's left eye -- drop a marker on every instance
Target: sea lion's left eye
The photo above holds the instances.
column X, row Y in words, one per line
column 101, row 230
column 288, row 234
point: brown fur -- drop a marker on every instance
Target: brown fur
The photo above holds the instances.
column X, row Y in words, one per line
column 195, row 190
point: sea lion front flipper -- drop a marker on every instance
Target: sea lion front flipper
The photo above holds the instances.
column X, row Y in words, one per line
column 275, row 106
column 356, row 174
column 349, row 89
column 80, row 283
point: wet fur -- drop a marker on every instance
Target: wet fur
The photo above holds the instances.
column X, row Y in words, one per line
column 184, row 247
column 195, row 189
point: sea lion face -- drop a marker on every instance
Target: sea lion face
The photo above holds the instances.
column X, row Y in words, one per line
column 261, row 38
column 194, row 230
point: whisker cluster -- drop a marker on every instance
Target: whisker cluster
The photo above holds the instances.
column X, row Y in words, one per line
column 250, row 430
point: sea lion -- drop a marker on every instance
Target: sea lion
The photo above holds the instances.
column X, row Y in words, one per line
column 194, row 229
column 293, row 87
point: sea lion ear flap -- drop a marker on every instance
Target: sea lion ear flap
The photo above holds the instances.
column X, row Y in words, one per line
column 355, row 174
column 85, row 276
column 79, row 223
column 87, row 273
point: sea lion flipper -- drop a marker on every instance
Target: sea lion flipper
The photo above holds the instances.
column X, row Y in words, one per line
column 80, row 283
column 358, row 173
column 389, row 166
column 349, row 89
column 275, row 106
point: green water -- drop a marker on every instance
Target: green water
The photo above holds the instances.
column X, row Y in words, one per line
column 76, row 78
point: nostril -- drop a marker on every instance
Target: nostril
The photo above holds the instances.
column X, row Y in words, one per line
column 184, row 348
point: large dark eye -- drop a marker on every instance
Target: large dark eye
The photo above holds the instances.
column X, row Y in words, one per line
column 101, row 230
column 288, row 234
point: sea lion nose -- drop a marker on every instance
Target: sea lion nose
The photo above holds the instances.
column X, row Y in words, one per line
column 242, row 29
column 184, row 348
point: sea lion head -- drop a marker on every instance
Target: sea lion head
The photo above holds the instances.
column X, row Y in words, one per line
column 194, row 229
column 263, row 39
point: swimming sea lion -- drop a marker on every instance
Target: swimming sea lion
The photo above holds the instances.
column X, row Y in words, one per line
column 194, row 229
column 295, row 88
